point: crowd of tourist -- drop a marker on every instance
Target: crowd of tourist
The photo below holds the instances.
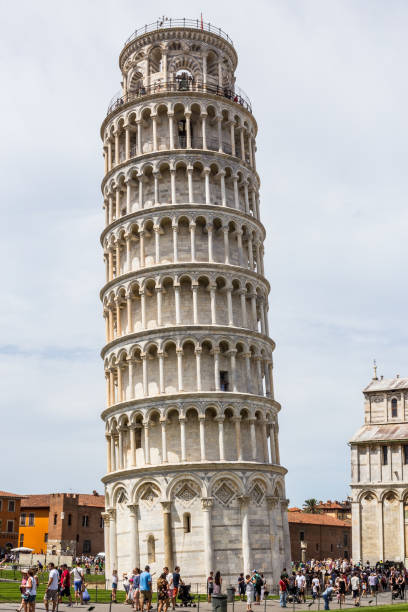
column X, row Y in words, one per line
column 331, row 579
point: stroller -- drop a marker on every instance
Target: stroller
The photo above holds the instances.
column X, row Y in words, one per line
column 395, row 591
column 185, row 597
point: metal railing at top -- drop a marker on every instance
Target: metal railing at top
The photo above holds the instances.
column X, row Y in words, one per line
column 164, row 23
column 236, row 94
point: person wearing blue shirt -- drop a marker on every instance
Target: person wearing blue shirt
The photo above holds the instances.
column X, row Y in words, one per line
column 145, row 588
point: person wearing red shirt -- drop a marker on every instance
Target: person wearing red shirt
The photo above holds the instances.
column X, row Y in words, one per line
column 65, row 584
column 283, row 591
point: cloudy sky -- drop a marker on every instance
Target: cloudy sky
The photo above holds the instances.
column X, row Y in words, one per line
column 327, row 80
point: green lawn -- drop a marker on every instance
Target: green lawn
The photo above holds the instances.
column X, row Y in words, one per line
column 43, row 576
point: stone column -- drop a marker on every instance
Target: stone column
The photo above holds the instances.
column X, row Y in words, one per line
column 207, row 503
column 213, row 309
column 232, row 135
column 173, row 185
column 206, row 173
column 286, row 534
column 221, row 438
column 113, row 557
column 247, row 357
column 253, row 438
column 143, row 307
column 265, row 442
column 192, row 240
column 274, row 538
column 154, row 130
column 127, row 142
column 156, row 230
column 226, row 245
column 275, row 434
column 246, row 197
column 246, row 542
column 131, row 365
column 223, row 192
column 156, row 176
column 141, row 179
column 118, row 318
column 198, row 352
column 242, row 294
column 190, row 184
column 175, row 230
column 120, row 448
column 202, row 437
column 106, row 538
column 177, row 303
column 203, row 130
column 132, row 432
column 109, row 155
column 164, row 440
column 236, row 196
column 179, row 353
column 188, row 128
column 380, row 531
column 142, row 251
column 113, row 454
column 134, row 536
column 108, row 453
column 117, row 151
column 216, row 353
column 182, row 421
column 161, row 371
column 147, row 443
column 210, row 245
column 242, row 144
column 229, row 306
column 232, row 355
column 194, row 289
column 171, row 131
column 128, row 239
column 272, row 443
column 167, row 533
column 159, row 292
column 237, row 421
column 356, row 530
column 219, row 130
column 402, row 527
column 143, row 357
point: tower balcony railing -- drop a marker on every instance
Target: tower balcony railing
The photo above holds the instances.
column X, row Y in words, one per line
column 165, row 23
column 235, row 94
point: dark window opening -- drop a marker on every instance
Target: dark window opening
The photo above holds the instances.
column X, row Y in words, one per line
column 77, row 537
column 394, row 409
column 138, row 433
column 85, row 520
column 11, row 506
column 406, row 454
column 69, row 519
column 23, row 520
column 45, row 537
column 87, row 546
column 302, row 536
column 224, row 380
column 331, row 547
column 10, row 526
column 101, row 522
column 21, row 539
column 55, row 519
column 187, row 522
column 317, row 547
column 385, row 455
column 31, row 519
column 345, row 539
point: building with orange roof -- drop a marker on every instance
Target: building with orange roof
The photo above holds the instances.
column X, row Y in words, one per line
column 9, row 515
column 318, row 536
column 62, row 523
column 340, row 510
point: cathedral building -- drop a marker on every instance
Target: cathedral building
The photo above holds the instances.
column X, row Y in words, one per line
column 379, row 473
column 193, row 473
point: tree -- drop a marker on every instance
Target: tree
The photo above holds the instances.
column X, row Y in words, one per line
column 310, row 506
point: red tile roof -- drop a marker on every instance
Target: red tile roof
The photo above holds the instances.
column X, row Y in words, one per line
column 294, row 509
column 308, row 518
column 7, row 494
column 43, row 501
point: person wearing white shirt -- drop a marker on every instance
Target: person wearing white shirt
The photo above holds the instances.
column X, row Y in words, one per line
column 51, row 592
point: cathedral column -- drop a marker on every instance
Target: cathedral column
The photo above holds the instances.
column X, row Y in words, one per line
column 219, row 130
column 160, row 355
column 143, row 357
column 356, row 530
column 120, row 448
column 216, row 353
column 232, row 136
column 194, row 289
column 168, row 544
column 247, row 357
column 380, row 518
column 207, row 503
column 286, row 534
column 242, row 144
column 139, row 136
column 143, row 307
column 190, row 184
column 159, row 292
column 272, row 443
column 173, row 185
column 142, row 250
column 127, row 142
column 242, row 293
column 154, row 130
column 156, row 188
column 129, row 314
column 223, row 192
column 156, row 230
column 171, row 131
column 177, row 302
column 206, row 173
column 203, row 130
column 113, row 454
column 175, row 231
column 134, row 536
column 253, row 438
column 226, row 245
column 229, row 306
column 106, row 539
column 402, row 529
column 274, row 538
column 131, row 365
column 108, row 454
column 236, row 195
column 187, row 115
column 210, row 242
column 232, row 354
column 275, row 435
column 179, row 353
column 246, row 542
column 212, row 301
column 265, row 442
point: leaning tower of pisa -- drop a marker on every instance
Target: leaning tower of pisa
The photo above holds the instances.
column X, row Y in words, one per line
column 193, row 471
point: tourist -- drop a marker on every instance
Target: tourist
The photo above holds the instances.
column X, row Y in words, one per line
column 162, row 593
column 65, row 590
column 78, row 574
column 327, row 595
column 24, row 577
column 401, row 584
column 217, row 583
column 315, row 587
column 175, row 584
column 283, row 591
column 250, row 591
column 114, row 585
column 300, row 587
column 30, row 592
column 355, row 589
column 126, row 586
column 258, row 583
column 135, row 580
column 373, row 583
column 51, row 591
column 210, row 586
column 241, row 586
column 342, row 584
column 145, row 588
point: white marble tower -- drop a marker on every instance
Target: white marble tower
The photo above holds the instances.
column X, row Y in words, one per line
column 193, row 472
